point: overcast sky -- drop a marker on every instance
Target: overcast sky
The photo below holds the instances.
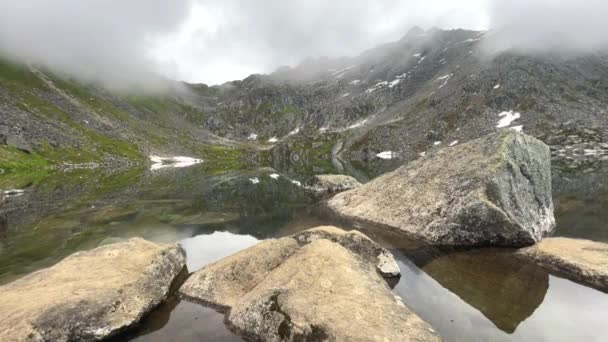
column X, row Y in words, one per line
column 216, row 41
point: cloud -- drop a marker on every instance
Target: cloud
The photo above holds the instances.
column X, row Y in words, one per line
column 124, row 43
column 231, row 39
column 557, row 26
column 95, row 40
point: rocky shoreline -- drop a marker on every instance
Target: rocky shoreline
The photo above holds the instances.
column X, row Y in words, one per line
column 322, row 284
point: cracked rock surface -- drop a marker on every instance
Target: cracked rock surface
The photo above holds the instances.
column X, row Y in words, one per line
column 323, row 284
column 90, row 295
column 495, row 190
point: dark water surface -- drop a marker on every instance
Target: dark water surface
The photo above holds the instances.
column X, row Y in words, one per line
column 479, row 295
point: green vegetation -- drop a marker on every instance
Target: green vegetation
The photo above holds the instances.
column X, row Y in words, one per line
column 15, row 75
column 18, row 168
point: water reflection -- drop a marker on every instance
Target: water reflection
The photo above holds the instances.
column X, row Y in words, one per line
column 466, row 296
column 204, row 249
column 581, row 200
column 504, row 289
column 180, row 320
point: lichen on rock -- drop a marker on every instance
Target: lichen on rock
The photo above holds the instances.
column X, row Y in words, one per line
column 317, row 285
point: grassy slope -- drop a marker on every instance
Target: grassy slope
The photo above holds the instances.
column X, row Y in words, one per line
column 162, row 121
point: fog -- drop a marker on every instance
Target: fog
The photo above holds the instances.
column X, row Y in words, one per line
column 555, row 26
column 94, row 40
column 127, row 44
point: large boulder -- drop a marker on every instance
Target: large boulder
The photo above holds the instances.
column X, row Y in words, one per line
column 90, row 295
column 583, row 261
column 322, row 284
column 495, row 190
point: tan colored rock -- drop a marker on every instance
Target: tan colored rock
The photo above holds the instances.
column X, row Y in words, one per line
column 495, row 190
column 580, row 260
column 90, row 295
column 308, row 287
column 226, row 281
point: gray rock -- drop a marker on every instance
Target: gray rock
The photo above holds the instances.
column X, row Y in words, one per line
column 495, row 190
column 332, row 183
column 318, row 285
column 18, row 142
column 90, row 295
column 580, row 260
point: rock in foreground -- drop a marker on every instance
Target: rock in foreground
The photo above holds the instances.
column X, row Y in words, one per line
column 89, row 295
column 322, row 284
column 495, row 190
column 583, row 261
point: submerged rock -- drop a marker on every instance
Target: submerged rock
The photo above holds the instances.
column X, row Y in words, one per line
column 90, row 295
column 321, row 284
column 495, row 190
column 332, row 183
column 583, row 261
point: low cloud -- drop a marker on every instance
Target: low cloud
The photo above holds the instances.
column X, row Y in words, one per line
column 554, row 26
column 94, row 40
column 126, row 44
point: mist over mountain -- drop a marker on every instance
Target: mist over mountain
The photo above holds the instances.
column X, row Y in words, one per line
column 124, row 46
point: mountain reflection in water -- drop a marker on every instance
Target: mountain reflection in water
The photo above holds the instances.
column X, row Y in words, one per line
column 466, row 295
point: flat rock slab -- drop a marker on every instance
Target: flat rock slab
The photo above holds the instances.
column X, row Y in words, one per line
column 90, row 295
column 583, row 261
column 495, row 190
column 319, row 285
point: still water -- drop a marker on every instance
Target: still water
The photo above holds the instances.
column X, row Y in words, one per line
column 479, row 295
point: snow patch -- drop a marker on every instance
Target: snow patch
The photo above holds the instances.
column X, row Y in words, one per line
column 173, row 162
column 274, row 176
column 295, row 131
column 345, row 95
column 13, row 192
column 519, row 128
column 497, row 86
column 437, row 143
column 341, row 71
column 422, row 154
column 358, row 124
column 376, row 86
column 322, row 129
column 470, row 40
column 445, row 80
column 254, row 180
column 386, row 155
column 453, row 143
column 296, row 183
column 253, row 136
column 417, row 55
column 273, row 140
column 507, row 118
column 394, row 83
column 355, row 82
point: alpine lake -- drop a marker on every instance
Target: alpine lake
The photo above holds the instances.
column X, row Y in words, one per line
column 465, row 295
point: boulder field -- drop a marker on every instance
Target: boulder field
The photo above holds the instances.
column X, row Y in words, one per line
column 492, row 191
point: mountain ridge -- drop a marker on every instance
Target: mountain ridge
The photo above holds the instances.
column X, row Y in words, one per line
column 430, row 88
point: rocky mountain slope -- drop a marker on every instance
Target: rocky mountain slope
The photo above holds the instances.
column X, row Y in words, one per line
column 48, row 120
column 429, row 89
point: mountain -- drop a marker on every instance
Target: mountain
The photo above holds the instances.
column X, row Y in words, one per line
column 431, row 88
